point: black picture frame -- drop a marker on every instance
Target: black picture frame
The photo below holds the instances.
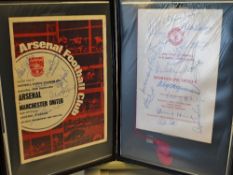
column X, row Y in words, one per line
column 57, row 164
column 113, row 11
column 128, row 31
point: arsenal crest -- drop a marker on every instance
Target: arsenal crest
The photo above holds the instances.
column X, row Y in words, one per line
column 36, row 65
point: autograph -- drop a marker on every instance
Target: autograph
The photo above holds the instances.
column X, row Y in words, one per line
column 177, row 71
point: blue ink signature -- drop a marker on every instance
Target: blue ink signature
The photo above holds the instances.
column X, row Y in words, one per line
column 149, row 98
column 177, row 67
column 163, row 121
column 177, row 88
column 197, row 111
column 162, row 111
column 146, row 80
column 22, row 70
column 62, row 83
column 53, row 66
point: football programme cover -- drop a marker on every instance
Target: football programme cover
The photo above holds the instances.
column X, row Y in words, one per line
column 59, row 67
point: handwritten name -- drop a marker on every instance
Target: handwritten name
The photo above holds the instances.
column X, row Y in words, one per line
column 69, row 57
column 149, row 98
column 177, row 88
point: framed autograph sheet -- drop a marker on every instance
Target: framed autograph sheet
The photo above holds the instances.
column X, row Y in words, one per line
column 58, row 99
column 50, row 84
column 87, row 82
column 176, row 85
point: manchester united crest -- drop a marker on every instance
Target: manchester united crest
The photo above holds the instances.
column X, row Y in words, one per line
column 176, row 36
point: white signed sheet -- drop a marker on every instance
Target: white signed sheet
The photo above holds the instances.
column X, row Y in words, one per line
column 177, row 70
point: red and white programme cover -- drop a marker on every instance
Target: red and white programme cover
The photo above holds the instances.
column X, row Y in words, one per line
column 60, row 82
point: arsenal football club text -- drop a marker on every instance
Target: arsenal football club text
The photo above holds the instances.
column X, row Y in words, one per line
column 60, row 83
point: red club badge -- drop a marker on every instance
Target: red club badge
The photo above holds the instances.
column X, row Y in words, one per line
column 175, row 36
column 36, row 65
